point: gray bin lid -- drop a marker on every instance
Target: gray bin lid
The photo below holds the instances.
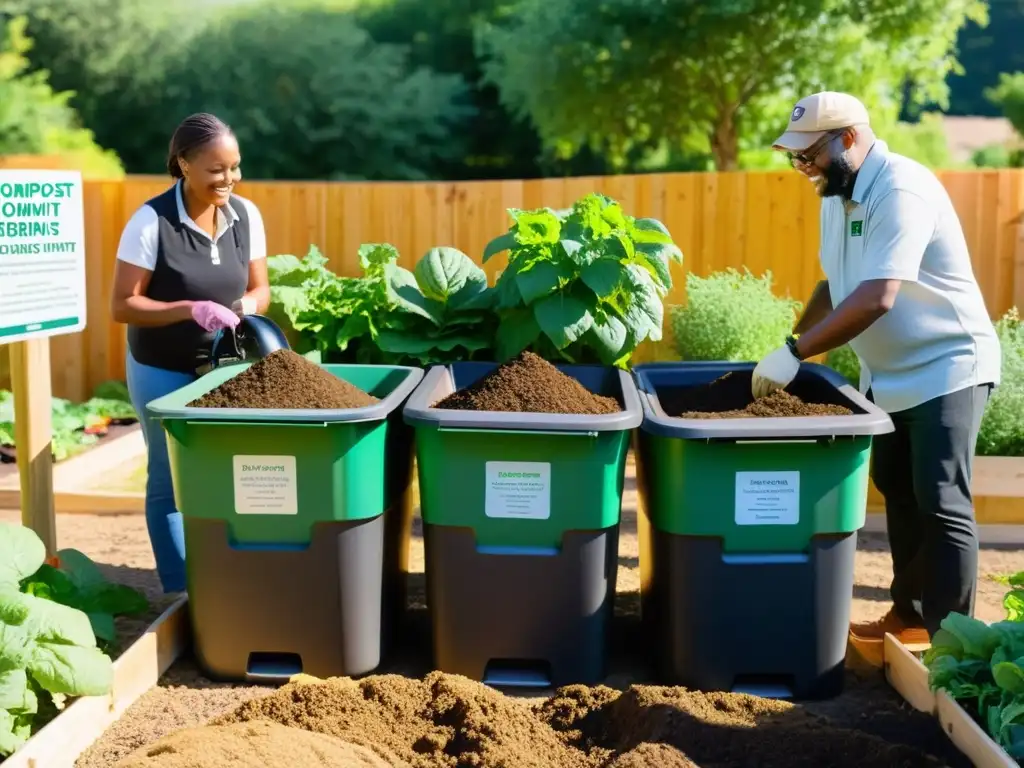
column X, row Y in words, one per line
column 440, row 381
column 867, row 419
column 174, row 404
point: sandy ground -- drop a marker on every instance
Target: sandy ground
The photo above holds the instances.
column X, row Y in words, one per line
column 185, row 697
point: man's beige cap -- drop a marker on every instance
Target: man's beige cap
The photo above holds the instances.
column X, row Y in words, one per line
column 817, row 114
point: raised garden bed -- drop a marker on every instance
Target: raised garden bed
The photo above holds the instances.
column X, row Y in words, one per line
column 909, row 676
column 108, row 478
column 60, row 742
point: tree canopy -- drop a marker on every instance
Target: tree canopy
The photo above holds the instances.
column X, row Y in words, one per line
column 629, row 76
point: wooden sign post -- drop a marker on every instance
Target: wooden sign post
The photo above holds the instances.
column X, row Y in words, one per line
column 42, row 294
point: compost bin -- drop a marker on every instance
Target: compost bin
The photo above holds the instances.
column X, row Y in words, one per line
column 297, row 525
column 521, row 518
column 748, row 525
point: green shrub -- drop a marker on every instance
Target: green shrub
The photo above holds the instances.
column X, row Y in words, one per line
column 844, row 360
column 731, row 316
column 1002, row 428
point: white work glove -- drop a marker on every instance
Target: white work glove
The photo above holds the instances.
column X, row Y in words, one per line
column 775, row 371
column 244, row 306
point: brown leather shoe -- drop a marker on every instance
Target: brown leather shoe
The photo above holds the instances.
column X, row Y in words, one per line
column 908, row 634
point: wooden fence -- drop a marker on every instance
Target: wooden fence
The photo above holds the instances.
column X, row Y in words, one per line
column 761, row 220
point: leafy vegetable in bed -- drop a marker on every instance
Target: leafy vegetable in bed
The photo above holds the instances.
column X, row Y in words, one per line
column 75, row 425
column 47, row 650
column 982, row 667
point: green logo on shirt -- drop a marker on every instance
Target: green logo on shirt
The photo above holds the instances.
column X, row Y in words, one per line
column 857, row 228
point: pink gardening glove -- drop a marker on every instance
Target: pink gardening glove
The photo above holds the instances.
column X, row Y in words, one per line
column 212, row 316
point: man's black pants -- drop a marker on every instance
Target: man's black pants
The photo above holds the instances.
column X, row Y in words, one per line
column 923, row 470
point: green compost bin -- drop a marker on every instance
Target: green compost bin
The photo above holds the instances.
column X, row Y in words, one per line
column 296, row 526
column 748, row 533
column 520, row 522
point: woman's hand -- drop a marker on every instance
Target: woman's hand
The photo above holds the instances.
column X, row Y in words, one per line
column 212, row 316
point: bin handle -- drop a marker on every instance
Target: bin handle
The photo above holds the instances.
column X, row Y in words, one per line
column 204, row 422
column 542, row 432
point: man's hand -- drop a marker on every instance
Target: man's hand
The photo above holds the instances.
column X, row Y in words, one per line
column 775, row 371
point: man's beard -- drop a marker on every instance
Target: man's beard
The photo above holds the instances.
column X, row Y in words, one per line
column 838, row 178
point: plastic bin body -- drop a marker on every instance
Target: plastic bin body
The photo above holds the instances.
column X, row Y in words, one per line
column 748, row 532
column 297, row 527
column 520, row 516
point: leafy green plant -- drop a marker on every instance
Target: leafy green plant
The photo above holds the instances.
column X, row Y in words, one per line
column 1002, row 426
column 47, row 649
column 731, row 316
column 845, row 361
column 71, row 578
column 583, row 285
column 982, row 667
column 439, row 312
column 74, row 426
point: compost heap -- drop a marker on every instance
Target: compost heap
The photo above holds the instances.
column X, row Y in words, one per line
column 448, row 721
column 529, row 384
column 284, row 379
column 729, row 397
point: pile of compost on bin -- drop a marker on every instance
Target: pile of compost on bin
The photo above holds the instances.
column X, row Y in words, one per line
column 730, row 397
column 284, row 379
column 529, row 384
column 447, row 721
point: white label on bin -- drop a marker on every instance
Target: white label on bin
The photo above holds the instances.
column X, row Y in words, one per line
column 520, row 489
column 767, row 498
column 265, row 485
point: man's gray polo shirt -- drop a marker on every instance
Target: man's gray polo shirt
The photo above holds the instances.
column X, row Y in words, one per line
column 900, row 224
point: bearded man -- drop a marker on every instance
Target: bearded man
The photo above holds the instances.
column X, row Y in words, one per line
column 900, row 290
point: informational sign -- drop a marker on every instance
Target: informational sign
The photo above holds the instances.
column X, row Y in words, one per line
column 767, row 498
column 42, row 254
column 519, row 489
column 265, row 485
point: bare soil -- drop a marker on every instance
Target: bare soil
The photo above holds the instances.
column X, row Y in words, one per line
column 285, row 379
column 185, row 697
column 529, row 384
column 730, row 397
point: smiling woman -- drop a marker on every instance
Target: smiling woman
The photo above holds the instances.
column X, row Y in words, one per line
column 191, row 261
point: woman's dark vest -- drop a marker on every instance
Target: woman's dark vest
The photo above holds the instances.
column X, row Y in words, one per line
column 183, row 271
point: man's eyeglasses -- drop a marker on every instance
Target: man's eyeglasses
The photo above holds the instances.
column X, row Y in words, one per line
column 808, row 156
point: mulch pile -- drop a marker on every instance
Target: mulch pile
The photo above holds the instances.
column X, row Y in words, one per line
column 729, row 397
column 529, row 384
column 447, row 721
column 284, row 379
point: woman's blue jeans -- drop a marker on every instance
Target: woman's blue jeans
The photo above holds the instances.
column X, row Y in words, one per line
column 145, row 384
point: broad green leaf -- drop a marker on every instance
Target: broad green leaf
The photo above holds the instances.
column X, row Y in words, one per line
column 72, row 669
column 1013, row 603
column 82, row 571
column 603, row 276
column 644, row 312
column 355, row 326
column 15, row 694
column 978, row 639
column 609, row 337
column 563, row 318
column 103, row 626
column 655, row 259
column 376, row 255
column 1017, row 579
column 518, row 330
column 539, row 280
column 506, row 289
column 650, row 231
column 572, row 249
column 474, row 296
column 21, row 553
column 444, row 272
column 115, row 599
column 536, row 227
column 14, row 732
column 500, row 243
column 405, row 343
column 1009, row 676
column 405, row 293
